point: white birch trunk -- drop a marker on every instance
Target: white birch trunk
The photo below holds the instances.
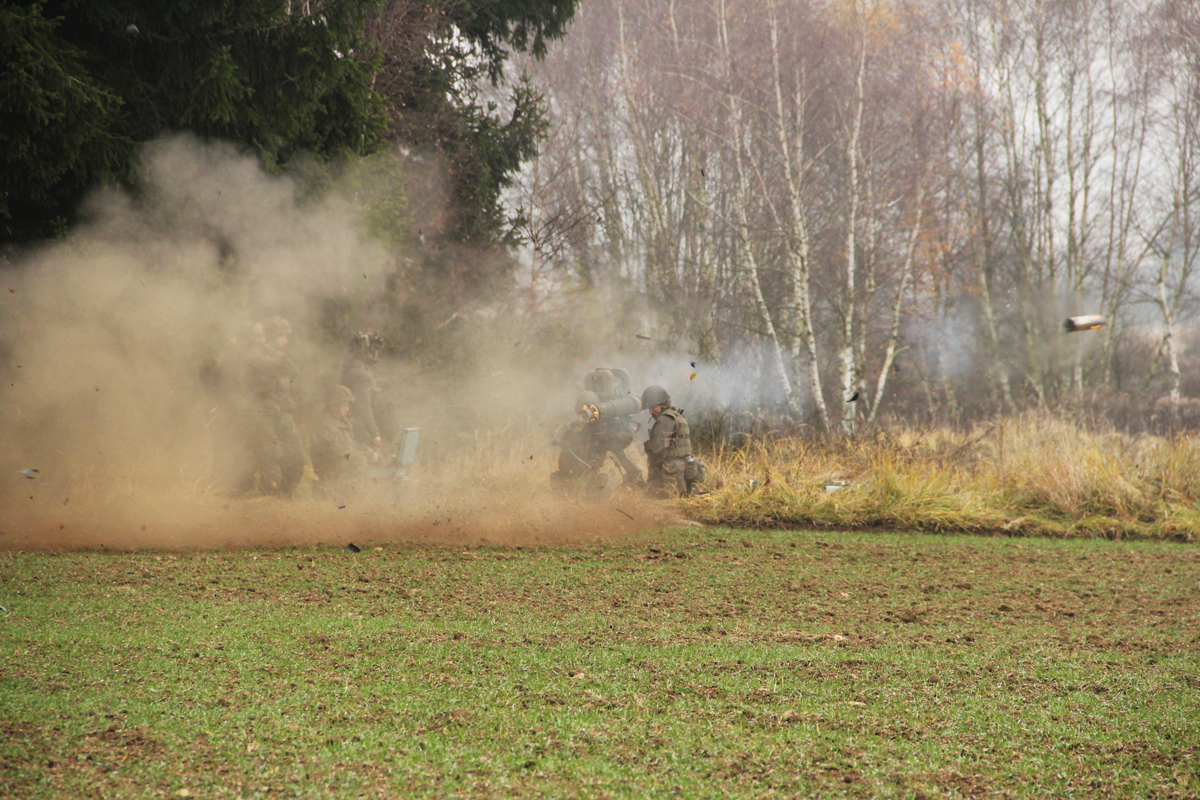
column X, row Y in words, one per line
column 848, row 367
column 894, row 334
column 798, row 239
column 742, row 200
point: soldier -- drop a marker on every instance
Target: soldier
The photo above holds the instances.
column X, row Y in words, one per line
column 336, row 457
column 669, row 447
column 275, row 444
column 604, row 428
column 358, row 375
column 580, row 461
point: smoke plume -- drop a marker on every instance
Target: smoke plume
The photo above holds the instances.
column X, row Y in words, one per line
column 109, row 430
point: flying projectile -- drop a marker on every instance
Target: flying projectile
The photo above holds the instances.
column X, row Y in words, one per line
column 1088, row 322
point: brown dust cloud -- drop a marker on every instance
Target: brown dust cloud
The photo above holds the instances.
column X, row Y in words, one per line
column 110, row 419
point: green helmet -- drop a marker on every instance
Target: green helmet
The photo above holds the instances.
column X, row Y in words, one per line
column 337, row 395
column 655, row 396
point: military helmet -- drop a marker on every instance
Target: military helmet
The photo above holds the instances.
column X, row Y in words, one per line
column 655, row 396
column 607, row 383
column 276, row 326
column 337, row 395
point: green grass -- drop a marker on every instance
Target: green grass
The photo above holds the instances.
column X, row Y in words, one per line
column 753, row 664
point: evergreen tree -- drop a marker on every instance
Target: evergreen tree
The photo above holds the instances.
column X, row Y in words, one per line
column 86, row 81
column 433, row 59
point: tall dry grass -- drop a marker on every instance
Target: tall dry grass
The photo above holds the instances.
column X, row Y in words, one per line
column 1030, row 475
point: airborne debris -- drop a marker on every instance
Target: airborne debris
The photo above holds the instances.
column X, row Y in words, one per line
column 29, row 473
column 1088, row 322
column 643, row 336
column 353, row 548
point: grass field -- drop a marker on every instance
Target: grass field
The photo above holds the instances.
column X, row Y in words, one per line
column 705, row 662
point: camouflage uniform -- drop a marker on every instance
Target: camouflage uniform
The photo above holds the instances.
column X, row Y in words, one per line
column 336, row 458
column 584, row 449
column 667, row 449
column 587, row 443
column 358, row 377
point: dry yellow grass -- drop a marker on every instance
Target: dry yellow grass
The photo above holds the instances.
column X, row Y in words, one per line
column 1029, row 475
column 1034, row 474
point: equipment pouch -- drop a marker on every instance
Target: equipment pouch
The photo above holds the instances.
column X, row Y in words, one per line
column 694, row 470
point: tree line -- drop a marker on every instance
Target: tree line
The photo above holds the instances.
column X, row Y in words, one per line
column 889, row 206
column 86, row 83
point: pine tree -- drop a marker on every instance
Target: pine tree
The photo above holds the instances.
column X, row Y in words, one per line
column 86, row 81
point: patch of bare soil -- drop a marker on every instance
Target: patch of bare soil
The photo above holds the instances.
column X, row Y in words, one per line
column 191, row 524
column 94, row 757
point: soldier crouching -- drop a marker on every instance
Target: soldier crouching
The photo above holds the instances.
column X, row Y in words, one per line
column 604, row 428
column 669, row 447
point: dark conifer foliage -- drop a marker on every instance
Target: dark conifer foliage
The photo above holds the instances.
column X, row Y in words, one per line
column 433, row 59
column 86, row 81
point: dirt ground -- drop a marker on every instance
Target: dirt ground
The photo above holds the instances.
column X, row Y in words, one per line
column 188, row 523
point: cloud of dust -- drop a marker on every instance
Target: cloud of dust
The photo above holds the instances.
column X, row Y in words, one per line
column 113, row 399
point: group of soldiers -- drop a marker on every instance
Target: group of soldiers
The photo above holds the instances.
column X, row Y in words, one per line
column 262, row 441
column 605, row 428
column 258, row 443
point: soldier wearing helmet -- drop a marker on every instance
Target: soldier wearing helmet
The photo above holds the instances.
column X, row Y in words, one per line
column 669, row 446
column 358, row 375
column 336, row 457
column 604, row 429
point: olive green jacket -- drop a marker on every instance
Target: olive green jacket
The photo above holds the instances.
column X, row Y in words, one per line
column 670, row 440
column 334, row 453
column 360, row 379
